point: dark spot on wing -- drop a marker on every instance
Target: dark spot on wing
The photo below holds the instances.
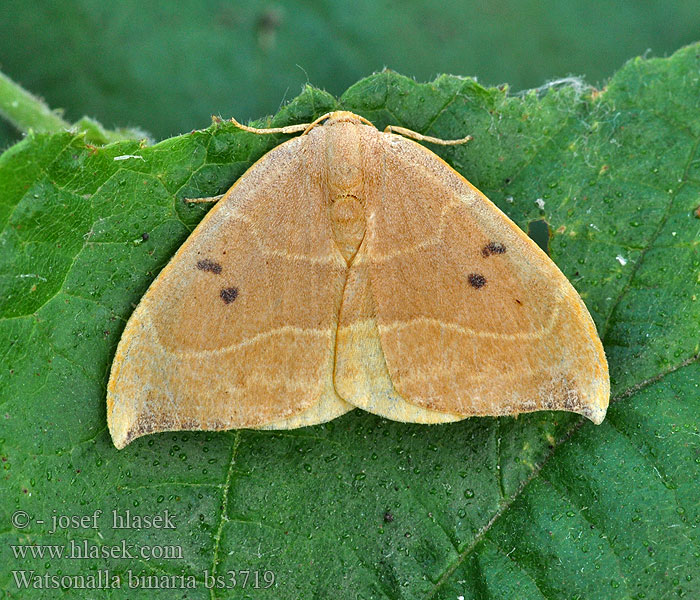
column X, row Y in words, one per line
column 493, row 248
column 228, row 295
column 518, row 301
column 477, row 281
column 209, row 265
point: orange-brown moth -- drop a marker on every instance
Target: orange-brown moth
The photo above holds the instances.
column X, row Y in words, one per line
column 347, row 268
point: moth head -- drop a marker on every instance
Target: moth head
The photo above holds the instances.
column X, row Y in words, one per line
column 338, row 116
column 344, row 116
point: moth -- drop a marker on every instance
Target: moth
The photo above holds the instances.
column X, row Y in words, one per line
column 352, row 267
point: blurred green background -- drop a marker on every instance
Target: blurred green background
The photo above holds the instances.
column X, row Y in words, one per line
column 167, row 66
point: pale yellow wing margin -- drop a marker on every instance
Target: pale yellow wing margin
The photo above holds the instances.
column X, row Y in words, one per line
column 238, row 330
column 473, row 318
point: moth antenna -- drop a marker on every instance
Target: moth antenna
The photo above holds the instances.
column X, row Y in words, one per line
column 425, row 138
column 310, row 126
column 268, row 130
column 207, row 199
column 303, row 127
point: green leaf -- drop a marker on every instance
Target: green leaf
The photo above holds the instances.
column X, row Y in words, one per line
column 134, row 62
column 29, row 113
column 542, row 506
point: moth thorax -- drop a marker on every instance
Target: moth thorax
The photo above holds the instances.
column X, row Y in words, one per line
column 345, row 186
column 348, row 222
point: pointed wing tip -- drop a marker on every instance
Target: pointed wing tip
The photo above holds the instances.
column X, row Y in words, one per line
column 119, row 431
column 596, row 416
column 596, row 410
column 119, row 442
column 124, row 431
